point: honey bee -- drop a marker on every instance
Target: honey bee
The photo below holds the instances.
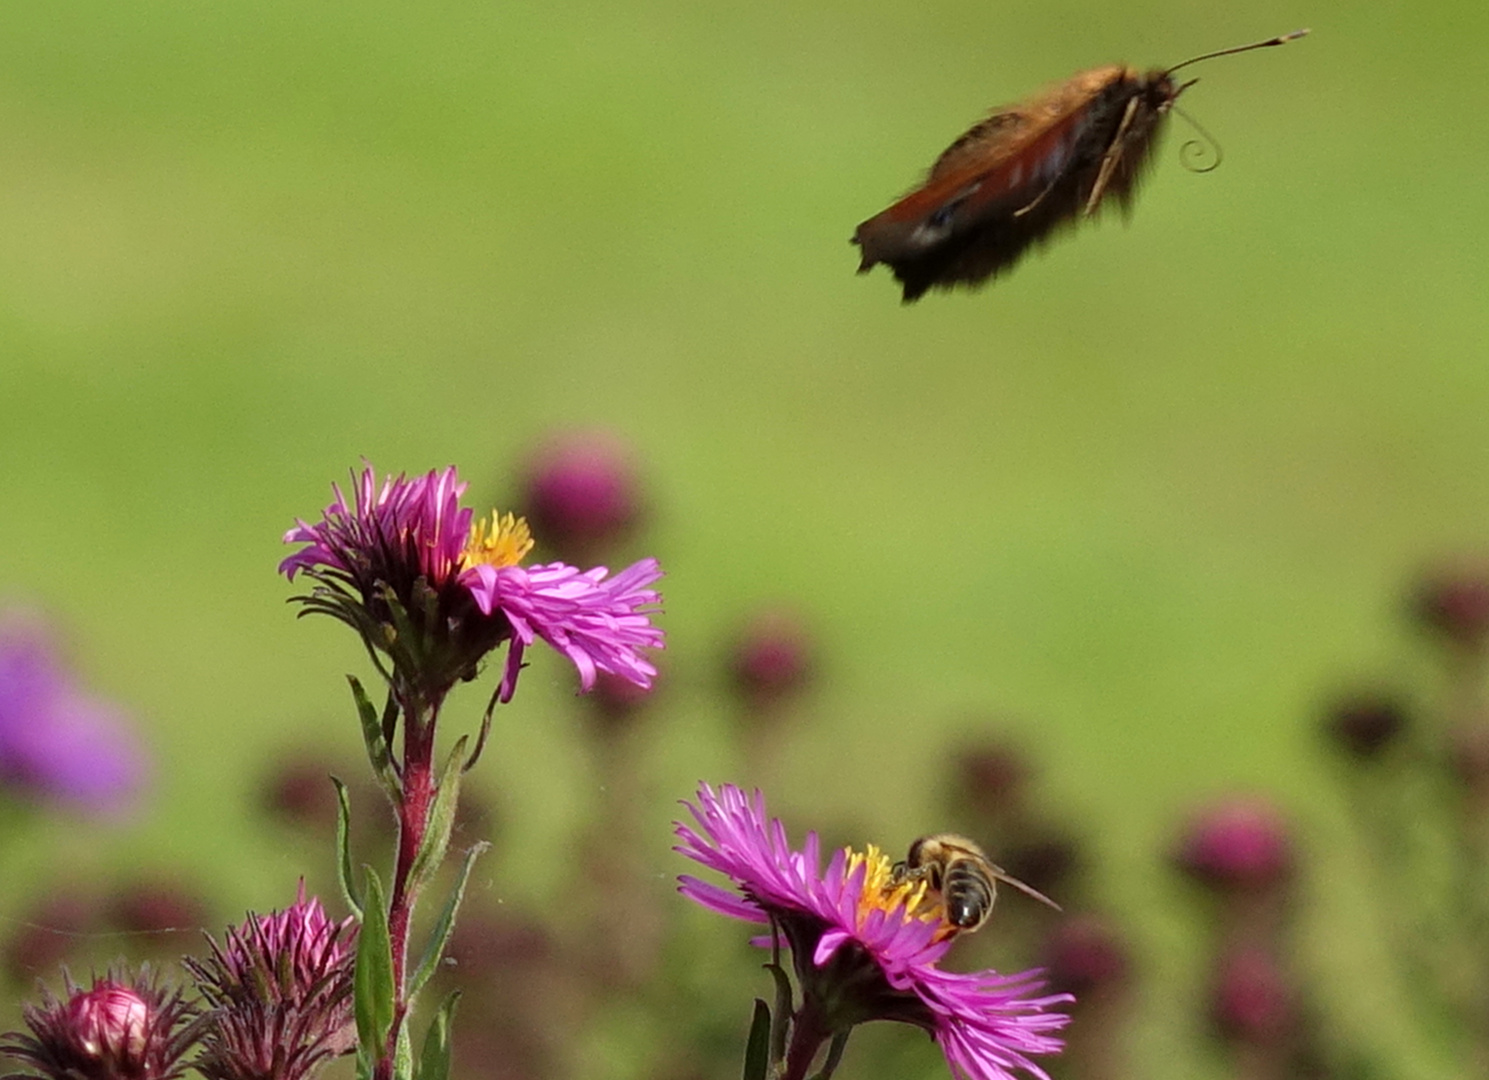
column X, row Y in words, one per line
column 963, row 875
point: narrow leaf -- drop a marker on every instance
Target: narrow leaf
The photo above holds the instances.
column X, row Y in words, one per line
column 373, row 737
column 785, row 1008
column 403, row 1054
column 440, row 821
column 344, row 850
column 834, row 1055
column 485, row 732
column 439, row 937
column 757, row 1047
column 372, row 979
column 434, row 1061
column 390, row 721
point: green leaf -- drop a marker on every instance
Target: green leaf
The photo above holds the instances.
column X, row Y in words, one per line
column 439, row 937
column 434, row 1061
column 344, row 850
column 403, row 1055
column 785, row 1009
column 373, row 728
column 757, row 1047
column 834, row 1055
column 485, row 732
column 372, row 979
column 440, row 821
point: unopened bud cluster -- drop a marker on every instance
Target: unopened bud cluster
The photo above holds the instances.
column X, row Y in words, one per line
column 275, row 1003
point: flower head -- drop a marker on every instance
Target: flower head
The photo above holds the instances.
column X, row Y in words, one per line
column 121, row 1028
column 865, row 945
column 434, row 590
column 279, row 988
column 57, row 742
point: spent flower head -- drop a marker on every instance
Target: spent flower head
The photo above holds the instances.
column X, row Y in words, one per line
column 434, row 590
column 865, row 945
column 123, row 1027
column 279, row 990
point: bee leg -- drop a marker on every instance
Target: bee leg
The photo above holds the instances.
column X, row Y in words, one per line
column 1110, row 158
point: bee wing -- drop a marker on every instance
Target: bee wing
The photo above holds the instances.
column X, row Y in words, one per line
column 1028, row 890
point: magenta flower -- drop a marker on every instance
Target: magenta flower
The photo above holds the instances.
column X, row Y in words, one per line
column 57, row 742
column 435, row 591
column 121, row 1028
column 864, row 947
column 279, row 990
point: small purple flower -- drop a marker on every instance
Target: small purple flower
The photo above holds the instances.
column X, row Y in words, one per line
column 864, row 946
column 406, row 565
column 279, row 989
column 56, row 742
column 121, row 1028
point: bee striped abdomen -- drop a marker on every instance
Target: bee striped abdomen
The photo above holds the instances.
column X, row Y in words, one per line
column 968, row 895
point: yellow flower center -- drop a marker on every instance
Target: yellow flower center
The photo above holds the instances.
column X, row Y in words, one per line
column 502, row 541
column 910, row 898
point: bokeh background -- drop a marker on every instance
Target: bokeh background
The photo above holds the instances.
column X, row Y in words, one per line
column 1138, row 509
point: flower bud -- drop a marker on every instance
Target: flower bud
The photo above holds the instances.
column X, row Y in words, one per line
column 1365, row 726
column 616, row 702
column 582, row 494
column 1085, row 956
column 1046, row 861
column 771, row 659
column 155, row 907
column 994, row 777
column 110, row 1021
column 1251, row 1001
column 118, row 1029
column 1241, row 845
column 1454, row 603
column 298, row 790
column 280, row 989
column 46, row 935
column 1468, row 756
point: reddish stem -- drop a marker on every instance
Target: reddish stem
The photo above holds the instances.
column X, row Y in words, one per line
column 418, row 790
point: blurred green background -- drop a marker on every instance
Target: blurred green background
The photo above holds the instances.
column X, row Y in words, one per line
column 1149, row 498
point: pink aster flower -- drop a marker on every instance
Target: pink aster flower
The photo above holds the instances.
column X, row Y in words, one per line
column 864, row 946
column 434, row 590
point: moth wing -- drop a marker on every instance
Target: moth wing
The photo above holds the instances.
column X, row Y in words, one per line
column 987, row 141
column 974, row 185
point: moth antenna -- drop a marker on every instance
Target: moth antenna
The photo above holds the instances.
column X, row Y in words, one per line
column 1281, row 39
column 1195, row 152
